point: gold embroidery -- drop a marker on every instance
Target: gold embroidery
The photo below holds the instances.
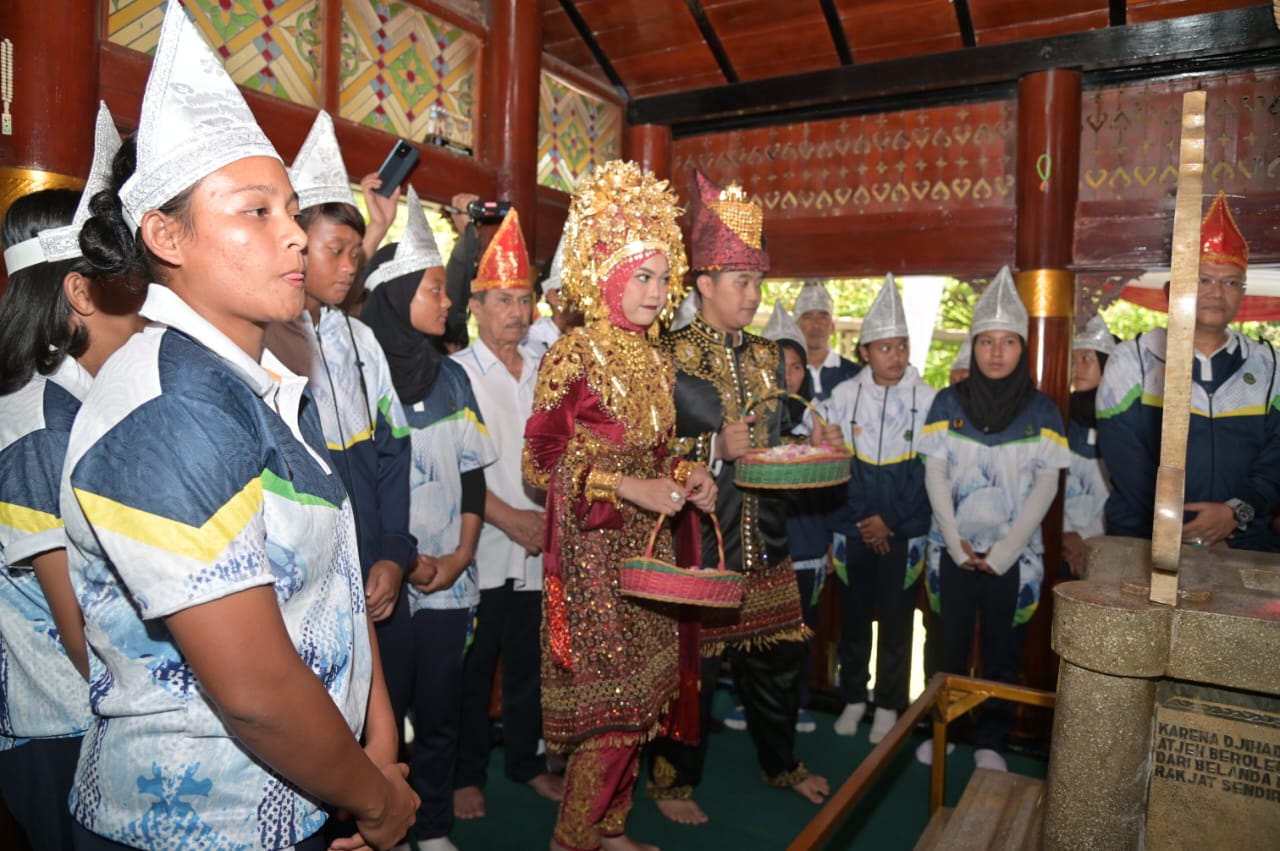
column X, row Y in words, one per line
column 664, row 773
column 684, row 469
column 602, row 486
column 634, row 380
column 787, row 779
column 699, row 350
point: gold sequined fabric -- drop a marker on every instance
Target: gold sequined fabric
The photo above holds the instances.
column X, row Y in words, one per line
column 632, row 378
column 739, row 214
column 720, row 379
column 623, row 651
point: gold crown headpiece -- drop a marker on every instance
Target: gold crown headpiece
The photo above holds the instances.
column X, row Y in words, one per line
column 739, row 214
column 619, row 212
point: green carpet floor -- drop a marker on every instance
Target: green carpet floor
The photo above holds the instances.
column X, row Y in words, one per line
column 747, row 815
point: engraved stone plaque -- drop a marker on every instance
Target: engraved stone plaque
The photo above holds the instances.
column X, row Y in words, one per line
column 1215, row 769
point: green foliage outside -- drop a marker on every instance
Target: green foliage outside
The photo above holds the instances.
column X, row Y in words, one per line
column 853, row 296
column 1128, row 320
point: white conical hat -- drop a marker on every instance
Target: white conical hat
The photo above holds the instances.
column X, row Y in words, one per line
column 416, row 251
column 54, row 244
column 318, row 174
column 813, row 296
column 194, row 120
column 885, row 318
column 686, row 311
column 1000, row 308
column 555, row 276
column 782, row 325
column 963, row 356
column 1095, row 336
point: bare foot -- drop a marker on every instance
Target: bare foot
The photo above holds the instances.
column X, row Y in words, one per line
column 624, row 843
column 468, row 802
column 813, row 788
column 682, row 811
column 549, row 786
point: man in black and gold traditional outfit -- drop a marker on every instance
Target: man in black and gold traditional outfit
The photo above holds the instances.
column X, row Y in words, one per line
column 725, row 378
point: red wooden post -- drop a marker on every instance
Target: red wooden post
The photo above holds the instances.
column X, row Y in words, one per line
column 1048, row 166
column 513, row 64
column 650, row 146
column 55, row 98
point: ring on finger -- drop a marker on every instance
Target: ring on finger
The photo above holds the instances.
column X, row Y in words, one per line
column 676, row 496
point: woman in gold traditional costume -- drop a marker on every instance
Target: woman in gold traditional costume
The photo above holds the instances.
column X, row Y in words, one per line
column 602, row 416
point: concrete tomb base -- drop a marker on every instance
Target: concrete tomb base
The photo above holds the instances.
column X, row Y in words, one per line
column 1167, row 728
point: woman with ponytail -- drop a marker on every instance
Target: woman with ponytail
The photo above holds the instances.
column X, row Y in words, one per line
column 59, row 322
column 211, row 544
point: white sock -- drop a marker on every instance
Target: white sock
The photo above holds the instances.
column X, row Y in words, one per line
column 989, row 759
column 924, row 753
column 881, row 723
column 850, row 718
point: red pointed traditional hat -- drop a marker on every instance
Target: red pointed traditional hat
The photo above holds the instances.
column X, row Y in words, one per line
column 1220, row 239
column 505, row 262
column 726, row 230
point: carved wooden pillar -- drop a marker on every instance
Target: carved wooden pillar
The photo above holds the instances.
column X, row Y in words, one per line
column 55, row 96
column 513, row 64
column 650, row 146
column 1048, row 167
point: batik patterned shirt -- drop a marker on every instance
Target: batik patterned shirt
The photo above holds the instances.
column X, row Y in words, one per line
column 449, row 438
column 42, row 695
column 194, row 473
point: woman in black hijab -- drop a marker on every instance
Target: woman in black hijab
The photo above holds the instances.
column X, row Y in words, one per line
column 993, row 446
column 451, row 446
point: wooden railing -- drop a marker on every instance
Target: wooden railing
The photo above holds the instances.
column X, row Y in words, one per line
column 947, row 697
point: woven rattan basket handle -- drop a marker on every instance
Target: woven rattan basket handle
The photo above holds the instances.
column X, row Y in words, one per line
column 662, row 518
column 778, row 394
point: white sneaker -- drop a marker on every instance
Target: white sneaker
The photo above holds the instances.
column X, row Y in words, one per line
column 440, row 843
column 881, row 723
column 924, row 753
column 850, row 718
column 989, row 759
column 736, row 719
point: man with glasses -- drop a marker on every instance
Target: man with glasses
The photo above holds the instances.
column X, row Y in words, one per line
column 1233, row 445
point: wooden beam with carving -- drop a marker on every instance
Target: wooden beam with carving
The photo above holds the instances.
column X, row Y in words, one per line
column 1238, row 38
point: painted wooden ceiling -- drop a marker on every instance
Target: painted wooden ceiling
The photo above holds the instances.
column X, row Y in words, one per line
column 645, row 48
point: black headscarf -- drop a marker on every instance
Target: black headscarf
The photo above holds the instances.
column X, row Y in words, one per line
column 992, row 403
column 1082, row 407
column 795, row 408
column 414, row 361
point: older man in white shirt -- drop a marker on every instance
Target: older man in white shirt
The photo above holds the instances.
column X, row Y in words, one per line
column 503, row 375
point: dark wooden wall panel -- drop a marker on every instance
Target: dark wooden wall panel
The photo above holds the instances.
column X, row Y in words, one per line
column 1129, row 166
column 972, row 243
column 906, row 191
column 910, row 191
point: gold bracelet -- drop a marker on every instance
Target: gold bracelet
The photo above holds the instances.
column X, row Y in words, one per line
column 683, row 470
column 602, row 486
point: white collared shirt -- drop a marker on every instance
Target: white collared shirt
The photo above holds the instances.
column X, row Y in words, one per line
column 506, row 404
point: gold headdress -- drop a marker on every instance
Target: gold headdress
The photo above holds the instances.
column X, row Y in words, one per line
column 617, row 214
